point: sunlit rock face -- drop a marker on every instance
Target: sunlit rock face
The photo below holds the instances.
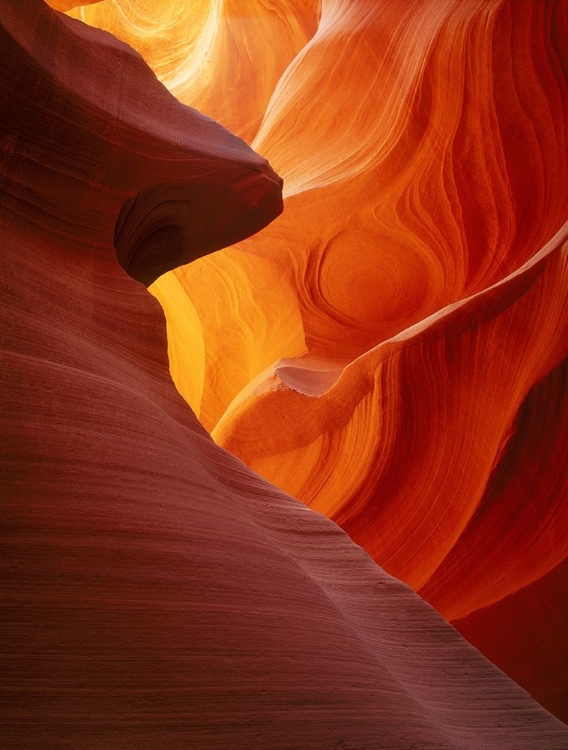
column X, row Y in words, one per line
column 224, row 57
column 391, row 349
column 156, row 593
column 69, row 4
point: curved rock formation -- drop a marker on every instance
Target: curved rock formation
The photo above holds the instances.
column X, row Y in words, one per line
column 393, row 331
column 156, row 592
column 201, row 156
column 207, row 52
column 165, row 226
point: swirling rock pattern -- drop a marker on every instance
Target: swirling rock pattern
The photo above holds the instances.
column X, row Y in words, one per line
column 207, row 52
column 397, row 337
column 156, row 592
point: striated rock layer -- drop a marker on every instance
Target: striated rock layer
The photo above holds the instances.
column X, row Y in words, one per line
column 224, row 57
column 156, row 592
column 391, row 350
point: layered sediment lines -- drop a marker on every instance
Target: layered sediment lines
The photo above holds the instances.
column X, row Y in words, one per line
column 391, row 349
column 156, row 592
column 224, row 57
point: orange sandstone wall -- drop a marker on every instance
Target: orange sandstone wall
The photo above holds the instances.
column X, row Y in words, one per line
column 390, row 350
column 156, row 593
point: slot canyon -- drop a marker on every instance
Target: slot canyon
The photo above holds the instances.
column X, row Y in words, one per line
column 284, row 337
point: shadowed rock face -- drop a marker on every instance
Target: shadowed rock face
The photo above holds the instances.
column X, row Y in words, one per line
column 398, row 336
column 123, row 141
column 166, row 226
column 156, row 593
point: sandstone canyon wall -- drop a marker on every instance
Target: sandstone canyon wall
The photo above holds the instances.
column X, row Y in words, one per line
column 390, row 351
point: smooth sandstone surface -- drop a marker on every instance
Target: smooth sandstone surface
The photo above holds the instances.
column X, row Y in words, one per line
column 224, row 57
column 69, row 4
column 156, row 592
column 390, row 350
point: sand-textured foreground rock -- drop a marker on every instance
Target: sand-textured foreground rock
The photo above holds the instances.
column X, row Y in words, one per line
column 156, row 593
